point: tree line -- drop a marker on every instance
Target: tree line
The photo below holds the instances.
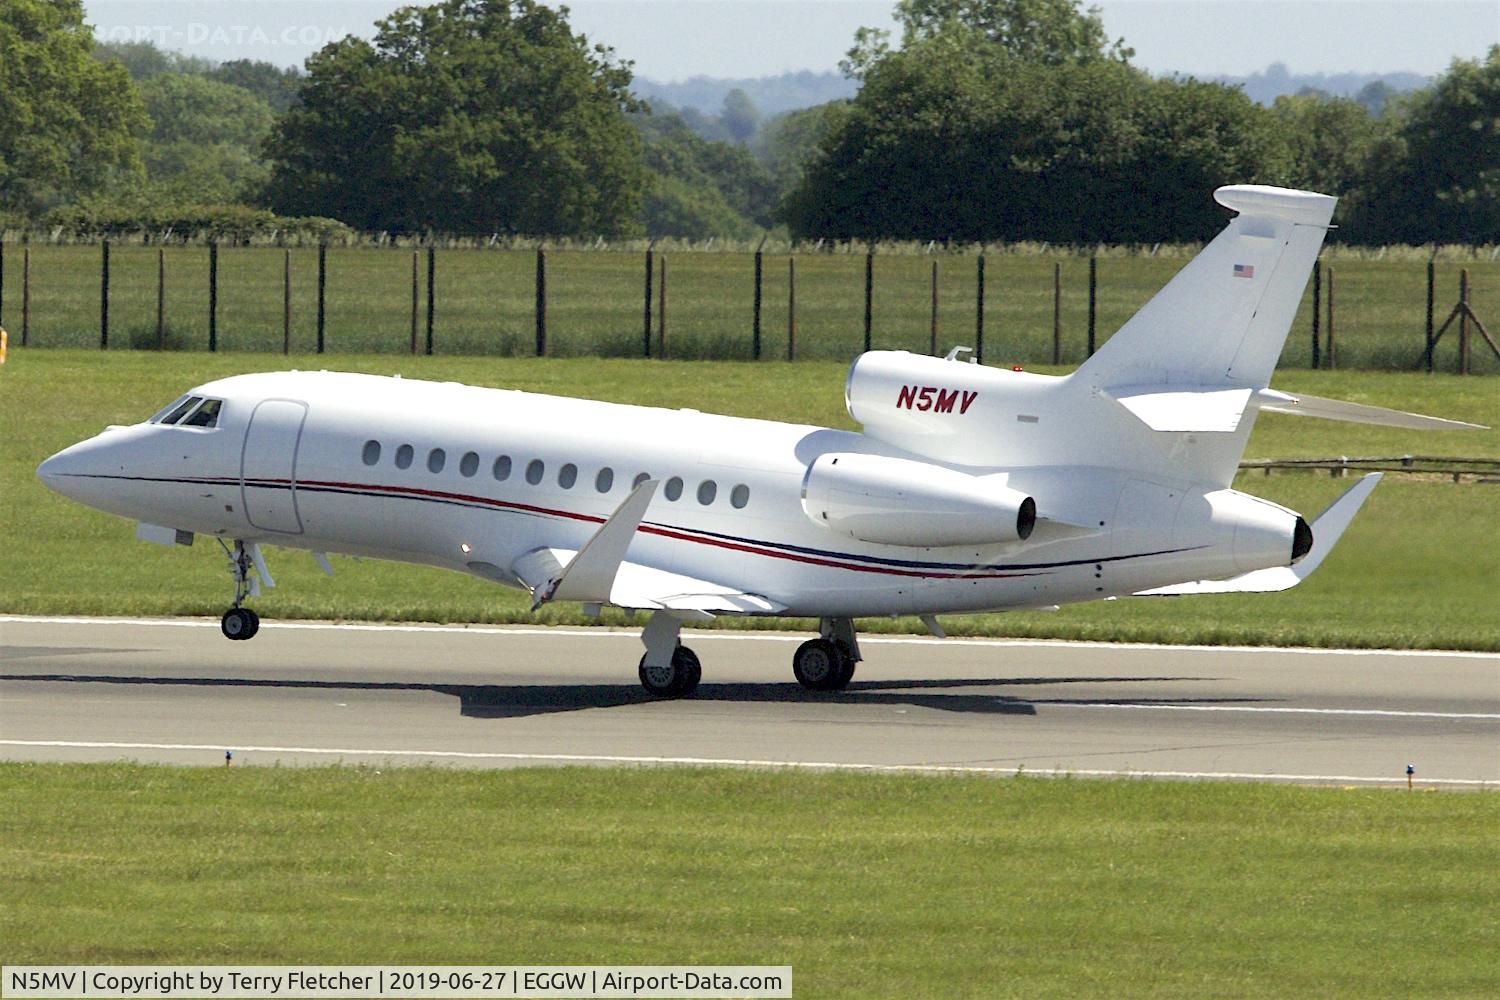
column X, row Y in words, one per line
column 984, row 121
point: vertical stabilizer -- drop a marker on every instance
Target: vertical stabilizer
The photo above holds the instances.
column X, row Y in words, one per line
column 1222, row 321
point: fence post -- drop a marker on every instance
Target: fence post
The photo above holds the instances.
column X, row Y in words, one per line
column 869, row 294
column 104, row 295
column 1463, row 322
column 932, row 345
column 213, row 295
column 431, row 292
column 1332, row 352
column 1057, row 312
column 979, row 309
column 1431, row 278
column 286, row 301
column 1093, row 299
column 2, row 278
column 322, row 290
column 661, row 312
column 1317, row 310
column 791, row 308
column 416, row 295
column 25, row 296
column 646, row 300
column 161, row 299
column 541, row 302
column 755, row 322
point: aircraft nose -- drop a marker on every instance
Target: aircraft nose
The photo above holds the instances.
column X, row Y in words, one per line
column 55, row 471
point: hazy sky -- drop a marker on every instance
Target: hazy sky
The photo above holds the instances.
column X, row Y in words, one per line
column 673, row 39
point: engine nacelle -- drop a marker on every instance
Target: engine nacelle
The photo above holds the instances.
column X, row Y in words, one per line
column 896, row 501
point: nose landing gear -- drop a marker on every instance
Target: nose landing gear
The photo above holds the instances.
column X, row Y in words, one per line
column 241, row 623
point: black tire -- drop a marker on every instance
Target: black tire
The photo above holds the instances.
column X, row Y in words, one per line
column 846, row 670
column 675, row 681
column 239, row 623
column 821, row 665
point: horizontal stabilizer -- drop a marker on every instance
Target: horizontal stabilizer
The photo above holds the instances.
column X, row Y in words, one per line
column 1327, row 528
column 1355, row 413
column 1186, row 409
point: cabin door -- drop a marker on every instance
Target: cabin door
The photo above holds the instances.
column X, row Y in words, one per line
column 268, row 465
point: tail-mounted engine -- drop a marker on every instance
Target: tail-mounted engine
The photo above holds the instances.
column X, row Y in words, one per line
column 897, row 501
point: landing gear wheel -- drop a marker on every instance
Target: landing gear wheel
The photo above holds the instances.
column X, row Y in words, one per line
column 820, row 665
column 240, row 623
column 675, row 681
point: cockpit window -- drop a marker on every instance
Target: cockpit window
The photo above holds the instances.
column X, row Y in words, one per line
column 177, row 410
column 206, row 415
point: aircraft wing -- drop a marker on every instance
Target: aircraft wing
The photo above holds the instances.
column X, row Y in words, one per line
column 599, row 573
column 1327, row 527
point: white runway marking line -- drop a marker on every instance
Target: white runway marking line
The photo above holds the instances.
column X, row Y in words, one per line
column 614, row 632
column 567, row 758
column 1282, row 711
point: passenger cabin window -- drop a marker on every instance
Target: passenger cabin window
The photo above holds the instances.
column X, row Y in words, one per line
column 501, row 470
column 739, row 496
column 640, row 478
column 436, row 459
column 674, row 488
column 206, row 415
column 180, row 410
column 469, row 464
column 707, row 490
column 403, row 456
column 534, row 471
column 372, row 452
column 567, row 476
column 605, row 480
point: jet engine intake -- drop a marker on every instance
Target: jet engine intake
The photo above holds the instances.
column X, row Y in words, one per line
column 897, row 501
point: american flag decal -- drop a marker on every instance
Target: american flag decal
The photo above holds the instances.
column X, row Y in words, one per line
column 1244, row 270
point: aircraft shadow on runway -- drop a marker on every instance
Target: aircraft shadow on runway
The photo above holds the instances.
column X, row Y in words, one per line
column 500, row 701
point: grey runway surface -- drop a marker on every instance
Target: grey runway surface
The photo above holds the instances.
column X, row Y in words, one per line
column 176, row 691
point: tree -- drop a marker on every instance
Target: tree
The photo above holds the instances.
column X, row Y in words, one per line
column 1333, row 142
column 470, row 115
column 275, row 85
column 952, row 137
column 702, row 188
column 204, row 146
column 68, row 122
column 740, row 116
column 1048, row 32
column 1440, row 182
column 787, row 143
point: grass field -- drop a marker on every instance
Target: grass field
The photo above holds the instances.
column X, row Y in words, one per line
column 485, row 302
column 1417, row 569
column 878, row 886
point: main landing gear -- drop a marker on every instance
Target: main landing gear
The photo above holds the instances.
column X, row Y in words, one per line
column 827, row 663
column 241, row 623
column 671, row 670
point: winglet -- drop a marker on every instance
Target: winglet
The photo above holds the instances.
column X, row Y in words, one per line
column 1327, row 528
column 590, row 575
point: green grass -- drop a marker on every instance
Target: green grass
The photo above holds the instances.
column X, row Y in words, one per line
column 485, row 302
column 879, row 886
column 1417, row 569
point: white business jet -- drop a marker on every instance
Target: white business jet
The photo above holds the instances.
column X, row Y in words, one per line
column 970, row 488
